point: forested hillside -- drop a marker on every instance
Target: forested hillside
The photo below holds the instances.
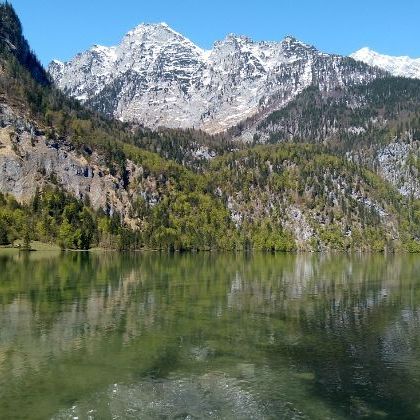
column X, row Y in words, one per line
column 367, row 114
column 375, row 125
column 73, row 177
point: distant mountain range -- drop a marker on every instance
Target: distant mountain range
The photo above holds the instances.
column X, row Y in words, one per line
column 156, row 76
column 397, row 66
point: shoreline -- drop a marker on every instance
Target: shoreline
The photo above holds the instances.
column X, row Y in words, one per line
column 45, row 247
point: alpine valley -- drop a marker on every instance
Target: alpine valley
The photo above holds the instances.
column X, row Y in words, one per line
column 156, row 143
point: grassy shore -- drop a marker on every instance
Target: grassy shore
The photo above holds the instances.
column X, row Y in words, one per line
column 35, row 246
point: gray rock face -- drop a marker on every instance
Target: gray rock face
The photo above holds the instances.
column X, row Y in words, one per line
column 157, row 77
column 28, row 159
column 398, row 163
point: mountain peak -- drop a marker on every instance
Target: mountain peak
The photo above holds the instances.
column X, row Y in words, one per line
column 292, row 42
column 233, row 40
column 365, row 50
column 239, row 38
column 290, row 39
column 153, row 29
column 398, row 66
column 154, row 34
column 364, row 53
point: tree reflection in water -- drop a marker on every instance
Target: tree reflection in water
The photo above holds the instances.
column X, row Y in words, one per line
column 295, row 335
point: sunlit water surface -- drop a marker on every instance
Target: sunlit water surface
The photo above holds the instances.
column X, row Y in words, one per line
column 108, row 336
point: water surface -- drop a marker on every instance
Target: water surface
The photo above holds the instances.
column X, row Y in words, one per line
column 109, row 336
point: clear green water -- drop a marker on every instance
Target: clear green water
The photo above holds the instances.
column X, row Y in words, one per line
column 101, row 336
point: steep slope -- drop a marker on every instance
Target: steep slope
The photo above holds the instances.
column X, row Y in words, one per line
column 340, row 115
column 397, row 66
column 157, row 77
column 11, row 40
column 376, row 125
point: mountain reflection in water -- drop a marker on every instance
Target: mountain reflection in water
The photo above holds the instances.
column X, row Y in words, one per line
column 104, row 335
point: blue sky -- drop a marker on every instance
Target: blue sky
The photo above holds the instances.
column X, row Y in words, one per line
column 62, row 28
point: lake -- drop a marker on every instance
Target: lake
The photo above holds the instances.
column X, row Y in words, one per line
column 114, row 336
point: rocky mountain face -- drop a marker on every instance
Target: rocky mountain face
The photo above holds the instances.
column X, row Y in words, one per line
column 397, row 66
column 31, row 160
column 158, row 77
column 398, row 162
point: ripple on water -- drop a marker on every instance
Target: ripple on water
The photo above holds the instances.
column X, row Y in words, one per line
column 212, row 395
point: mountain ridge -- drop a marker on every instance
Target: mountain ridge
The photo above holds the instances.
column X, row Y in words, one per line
column 13, row 42
column 403, row 66
column 156, row 76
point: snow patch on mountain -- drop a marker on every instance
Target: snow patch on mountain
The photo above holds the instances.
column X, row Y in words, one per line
column 398, row 66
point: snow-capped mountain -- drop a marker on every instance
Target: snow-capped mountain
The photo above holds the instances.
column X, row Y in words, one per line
column 397, row 66
column 158, row 77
